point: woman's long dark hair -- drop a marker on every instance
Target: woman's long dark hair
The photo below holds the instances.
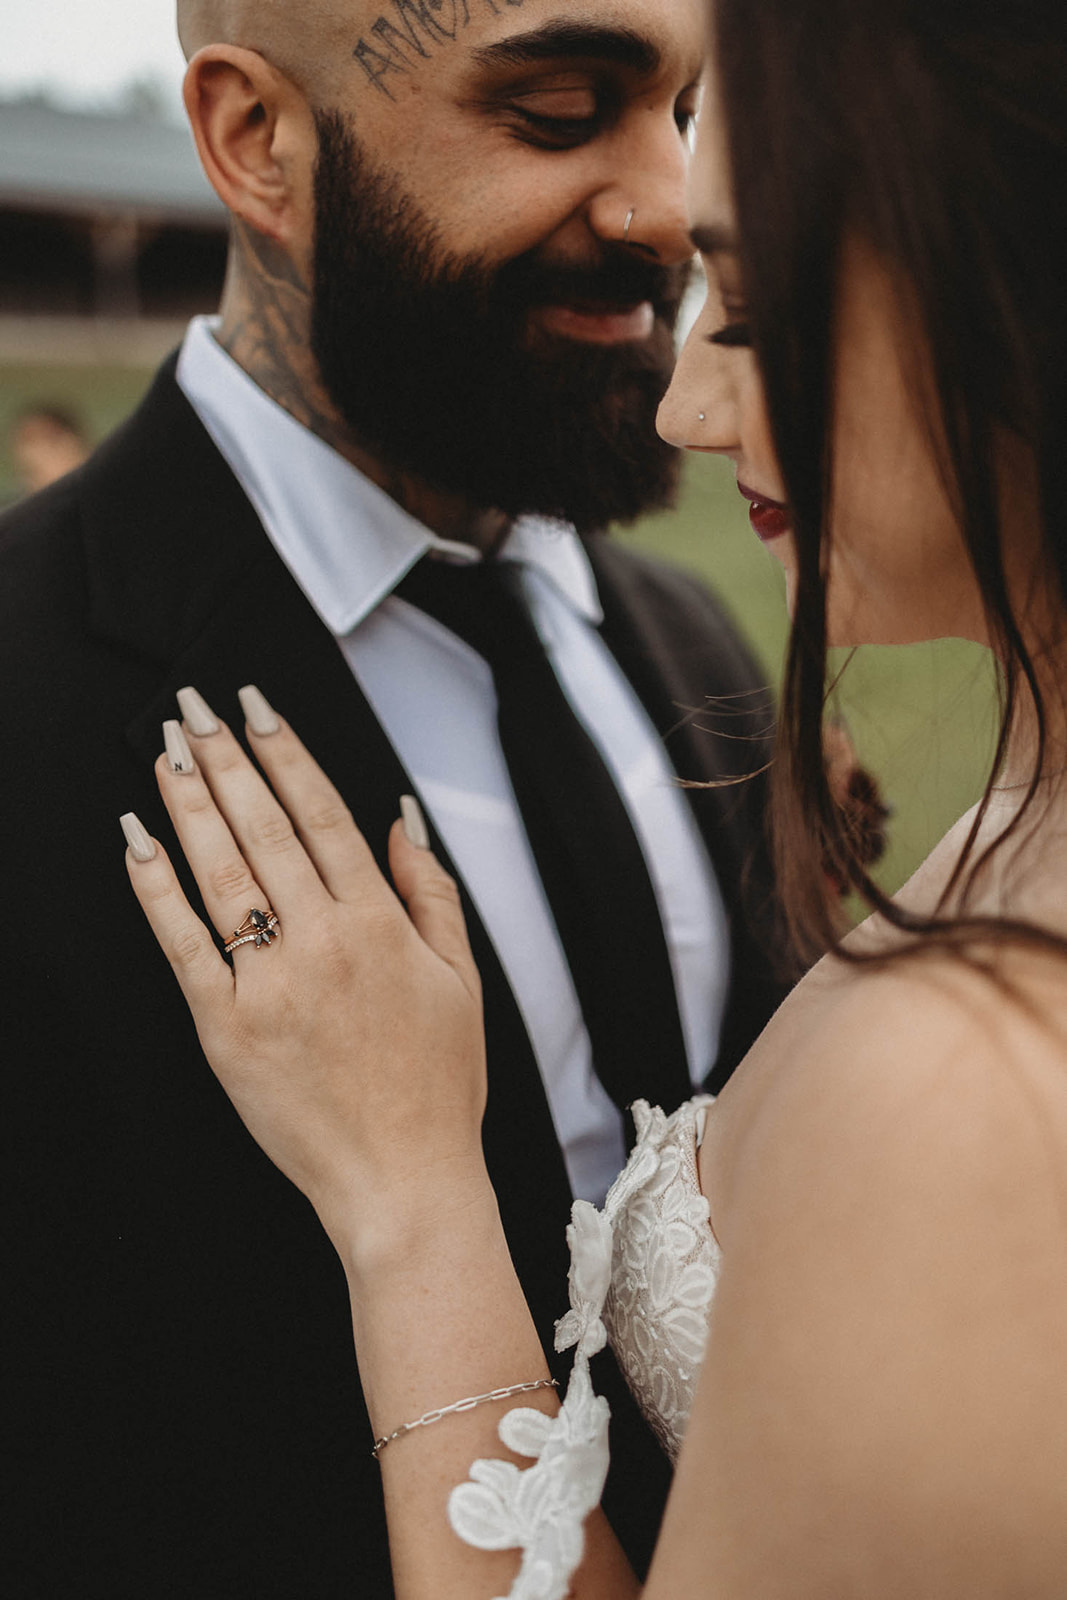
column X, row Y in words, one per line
column 937, row 131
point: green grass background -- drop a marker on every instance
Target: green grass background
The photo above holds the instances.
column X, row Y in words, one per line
column 921, row 716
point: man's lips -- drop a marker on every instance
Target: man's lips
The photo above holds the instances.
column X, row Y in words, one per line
column 770, row 518
column 593, row 323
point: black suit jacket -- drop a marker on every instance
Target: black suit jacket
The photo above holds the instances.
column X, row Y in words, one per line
column 184, row 1412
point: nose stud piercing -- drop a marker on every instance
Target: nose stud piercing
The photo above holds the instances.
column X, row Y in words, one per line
column 702, row 415
column 626, row 226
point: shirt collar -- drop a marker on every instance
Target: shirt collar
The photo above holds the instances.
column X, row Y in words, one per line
column 346, row 542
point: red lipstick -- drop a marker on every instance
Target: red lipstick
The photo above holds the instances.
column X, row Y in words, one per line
column 770, row 518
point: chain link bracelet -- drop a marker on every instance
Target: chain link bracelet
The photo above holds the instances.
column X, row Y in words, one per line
column 462, row 1405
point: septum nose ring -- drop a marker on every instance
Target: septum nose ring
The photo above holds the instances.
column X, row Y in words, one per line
column 626, row 226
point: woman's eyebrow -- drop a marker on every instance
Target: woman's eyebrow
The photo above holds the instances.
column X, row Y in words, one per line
column 571, row 41
column 713, row 239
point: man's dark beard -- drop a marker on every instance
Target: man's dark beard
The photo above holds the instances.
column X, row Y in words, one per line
column 431, row 363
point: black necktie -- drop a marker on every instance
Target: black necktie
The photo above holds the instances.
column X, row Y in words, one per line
column 587, row 854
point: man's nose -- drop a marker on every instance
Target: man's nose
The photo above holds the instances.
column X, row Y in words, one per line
column 643, row 205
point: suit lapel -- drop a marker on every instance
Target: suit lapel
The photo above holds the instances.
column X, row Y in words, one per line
column 673, row 675
column 708, row 701
column 266, row 633
column 207, row 597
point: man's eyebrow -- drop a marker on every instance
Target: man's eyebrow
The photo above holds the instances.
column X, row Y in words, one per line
column 573, row 41
column 713, row 239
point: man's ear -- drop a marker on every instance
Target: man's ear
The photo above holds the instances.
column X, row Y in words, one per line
column 255, row 135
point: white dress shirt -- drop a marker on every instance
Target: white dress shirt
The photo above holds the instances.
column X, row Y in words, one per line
column 348, row 544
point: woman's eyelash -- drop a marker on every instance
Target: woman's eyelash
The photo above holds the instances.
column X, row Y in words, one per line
column 732, row 335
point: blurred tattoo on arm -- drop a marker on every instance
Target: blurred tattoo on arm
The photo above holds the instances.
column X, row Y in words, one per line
column 398, row 40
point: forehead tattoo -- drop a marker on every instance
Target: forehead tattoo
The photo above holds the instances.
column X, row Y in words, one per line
column 414, row 29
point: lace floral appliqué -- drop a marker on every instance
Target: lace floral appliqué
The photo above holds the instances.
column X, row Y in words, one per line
column 644, row 1270
column 664, row 1268
column 541, row 1511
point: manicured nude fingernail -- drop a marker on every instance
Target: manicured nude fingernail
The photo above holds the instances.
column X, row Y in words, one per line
column 140, row 841
column 199, row 717
column 259, row 713
column 177, row 747
column 414, row 822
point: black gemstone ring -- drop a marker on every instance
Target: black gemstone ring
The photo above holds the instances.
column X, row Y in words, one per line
column 258, row 928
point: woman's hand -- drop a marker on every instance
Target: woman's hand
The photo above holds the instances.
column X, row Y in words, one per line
column 351, row 1045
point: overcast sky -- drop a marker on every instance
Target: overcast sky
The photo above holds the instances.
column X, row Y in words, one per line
column 87, row 49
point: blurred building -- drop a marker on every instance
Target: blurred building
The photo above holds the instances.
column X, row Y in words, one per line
column 110, row 236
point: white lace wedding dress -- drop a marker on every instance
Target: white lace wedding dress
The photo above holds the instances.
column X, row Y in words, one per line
column 643, row 1273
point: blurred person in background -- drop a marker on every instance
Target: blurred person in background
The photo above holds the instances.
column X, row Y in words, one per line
column 46, row 442
column 375, row 487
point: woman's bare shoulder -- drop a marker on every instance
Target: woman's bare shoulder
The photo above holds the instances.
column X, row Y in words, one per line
column 889, row 1065
column 883, row 1405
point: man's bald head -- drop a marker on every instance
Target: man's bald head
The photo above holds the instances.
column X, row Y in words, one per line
column 311, row 41
column 431, row 254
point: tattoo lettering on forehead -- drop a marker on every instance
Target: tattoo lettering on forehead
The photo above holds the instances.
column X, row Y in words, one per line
column 413, row 30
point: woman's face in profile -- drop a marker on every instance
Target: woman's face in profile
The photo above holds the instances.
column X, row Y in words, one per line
column 898, row 569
